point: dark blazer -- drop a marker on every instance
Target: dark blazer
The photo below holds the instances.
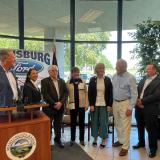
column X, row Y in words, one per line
column 6, row 93
column 151, row 96
column 31, row 94
column 92, row 91
column 50, row 94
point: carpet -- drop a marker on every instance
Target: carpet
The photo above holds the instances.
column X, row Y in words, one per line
column 69, row 153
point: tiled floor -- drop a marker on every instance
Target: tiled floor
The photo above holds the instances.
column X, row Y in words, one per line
column 110, row 153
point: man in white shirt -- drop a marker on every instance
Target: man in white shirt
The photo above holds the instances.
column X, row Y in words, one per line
column 54, row 92
column 8, row 84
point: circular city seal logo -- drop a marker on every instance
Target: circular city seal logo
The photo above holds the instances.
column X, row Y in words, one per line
column 21, row 146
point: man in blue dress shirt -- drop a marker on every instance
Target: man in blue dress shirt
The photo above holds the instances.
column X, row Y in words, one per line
column 124, row 95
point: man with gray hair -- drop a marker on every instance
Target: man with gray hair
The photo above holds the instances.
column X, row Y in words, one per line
column 8, row 86
column 54, row 92
column 124, row 99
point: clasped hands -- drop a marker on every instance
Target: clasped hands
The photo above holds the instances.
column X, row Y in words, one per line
column 57, row 105
column 139, row 103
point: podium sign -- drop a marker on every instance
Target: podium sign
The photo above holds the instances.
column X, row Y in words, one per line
column 25, row 136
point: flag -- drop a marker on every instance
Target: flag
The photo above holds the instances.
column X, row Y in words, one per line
column 54, row 59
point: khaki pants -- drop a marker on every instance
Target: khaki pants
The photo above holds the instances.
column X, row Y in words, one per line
column 122, row 122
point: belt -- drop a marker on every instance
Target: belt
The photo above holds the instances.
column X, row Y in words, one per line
column 120, row 100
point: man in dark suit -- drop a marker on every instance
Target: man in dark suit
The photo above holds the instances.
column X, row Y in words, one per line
column 149, row 101
column 139, row 115
column 54, row 92
column 8, row 86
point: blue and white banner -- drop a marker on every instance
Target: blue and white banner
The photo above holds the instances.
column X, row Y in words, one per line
column 26, row 59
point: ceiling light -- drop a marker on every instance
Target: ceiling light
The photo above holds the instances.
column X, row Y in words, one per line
column 95, row 29
column 65, row 19
column 90, row 15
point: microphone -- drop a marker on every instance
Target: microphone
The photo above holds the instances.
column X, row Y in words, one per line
column 20, row 105
column 19, row 102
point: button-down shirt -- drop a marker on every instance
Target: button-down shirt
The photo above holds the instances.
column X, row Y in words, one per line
column 124, row 87
column 12, row 83
column 147, row 82
column 100, row 92
column 56, row 86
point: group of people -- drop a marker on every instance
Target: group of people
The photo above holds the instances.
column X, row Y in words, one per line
column 119, row 95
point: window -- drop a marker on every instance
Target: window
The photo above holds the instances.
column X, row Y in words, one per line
column 47, row 19
column 88, row 55
column 95, row 17
column 9, row 17
column 9, row 43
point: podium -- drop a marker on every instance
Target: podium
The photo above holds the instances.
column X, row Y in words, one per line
column 25, row 135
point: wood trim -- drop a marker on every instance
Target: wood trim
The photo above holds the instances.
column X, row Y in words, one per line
column 33, row 106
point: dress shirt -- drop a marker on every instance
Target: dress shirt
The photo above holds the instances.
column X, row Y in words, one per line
column 13, row 84
column 56, row 86
column 147, row 82
column 35, row 84
column 124, row 87
column 100, row 92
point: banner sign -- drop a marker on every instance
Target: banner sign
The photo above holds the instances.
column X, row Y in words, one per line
column 26, row 59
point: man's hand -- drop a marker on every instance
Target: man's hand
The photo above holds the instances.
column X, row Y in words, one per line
column 128, row 112
column 92, row 108
column 58, row 105
column 139, row 103
column 109, row 109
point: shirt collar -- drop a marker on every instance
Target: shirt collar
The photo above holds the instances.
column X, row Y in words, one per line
column 76, row 80
column 152, row 77
column 54, row 80
column 35, row 83
column 4, row 68
column 100, row 78
column 123, row 74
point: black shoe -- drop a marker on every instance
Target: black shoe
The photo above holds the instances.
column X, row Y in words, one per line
column 59, row 144
column 94, row 144
column 71, row 143
column 102, row 146
column 82, row 143
column 152, row 154
column 138, row 146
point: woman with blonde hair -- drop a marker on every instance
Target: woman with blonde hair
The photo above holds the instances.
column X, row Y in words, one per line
column 100, row 101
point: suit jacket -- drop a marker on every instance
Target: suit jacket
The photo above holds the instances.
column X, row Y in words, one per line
column 92, row 91
column 151, row 96
column 6, row 93
column 31, row 94
column 50, row 94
